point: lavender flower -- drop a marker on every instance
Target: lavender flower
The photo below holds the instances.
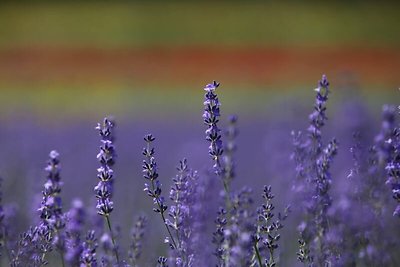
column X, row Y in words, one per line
column 182, row 195
column 240, row 229
column 219, row 237
column 137, row 234
column 230, row 147
column 107, row 248
column 313, row 163
column 268, row 230
column 318, row 117
column 384, row 148
column 162, row 262
column 74, row 228
column 323, row 198
column 105, row 173
column 211, row 118
column 33, row 247
column 153, row 189
column 106, row 157
column 88, row 256
column 51, row 207
column 393, row 169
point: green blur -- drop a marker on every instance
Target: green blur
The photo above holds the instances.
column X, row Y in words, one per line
column 106, row 24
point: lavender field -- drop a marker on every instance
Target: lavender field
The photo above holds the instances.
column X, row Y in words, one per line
column 118, row 148
column 290, row 189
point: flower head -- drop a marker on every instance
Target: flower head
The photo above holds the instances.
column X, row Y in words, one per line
column 211, row 118
column 105, row 173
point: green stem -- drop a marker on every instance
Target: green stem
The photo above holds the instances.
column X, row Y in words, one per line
column 62, row 258
column 162, row 216
column 258, row 254
column 271, row 257
column 166, row 226
column 6, row 248
column 159, row 206
column 112, row 237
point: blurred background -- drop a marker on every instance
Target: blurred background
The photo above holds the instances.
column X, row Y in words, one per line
column 64, row 65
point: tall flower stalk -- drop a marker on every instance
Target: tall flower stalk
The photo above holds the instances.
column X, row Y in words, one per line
column 213, row 133
column 393, row 168
column 74, row 228
column 182, row 195
column 105, row 174
column 153, row 188
column 51, row 214
column 229, row 150
column 313, row 181
column 88, row 255
column 137, row 234
column 268, row 231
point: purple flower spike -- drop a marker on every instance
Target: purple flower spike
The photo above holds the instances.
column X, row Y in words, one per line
column 153, row 187
column 211, row 118
column 318, row 117
column 74, row 229
column 137, row 234
column 393, row 169
column 88, row 256
column 268, row 229
column 105, row 174
column 313, row 181
column 51, row 207
column 230, row 147
column 182, row 195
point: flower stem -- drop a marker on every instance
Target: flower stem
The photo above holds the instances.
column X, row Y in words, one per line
column 62, row 258
column 258, row 254
column 112, row 237
column 163, row 217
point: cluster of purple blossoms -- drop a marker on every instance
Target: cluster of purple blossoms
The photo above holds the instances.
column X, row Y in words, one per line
column 137, row 234
column 37, row 242
column 313, row 181
column 74, row 229
column 182, row 195
column 268, row 229
column 88, row 255
column 229, row 150
column 105, row 173
column 153, row 188
column 331, row 232
column 211, row 118
column 51, row 208
column 393, row 168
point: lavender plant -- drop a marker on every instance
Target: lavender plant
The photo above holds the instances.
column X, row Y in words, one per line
column 267, row 232
column 393, row 168
column 53, row 221
column 105, row 174
column 88, row 255
column 313, row 182
column 153, row 189
column 182, row 195
column 74, row 230
column 213, row 133
column 137, row 234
